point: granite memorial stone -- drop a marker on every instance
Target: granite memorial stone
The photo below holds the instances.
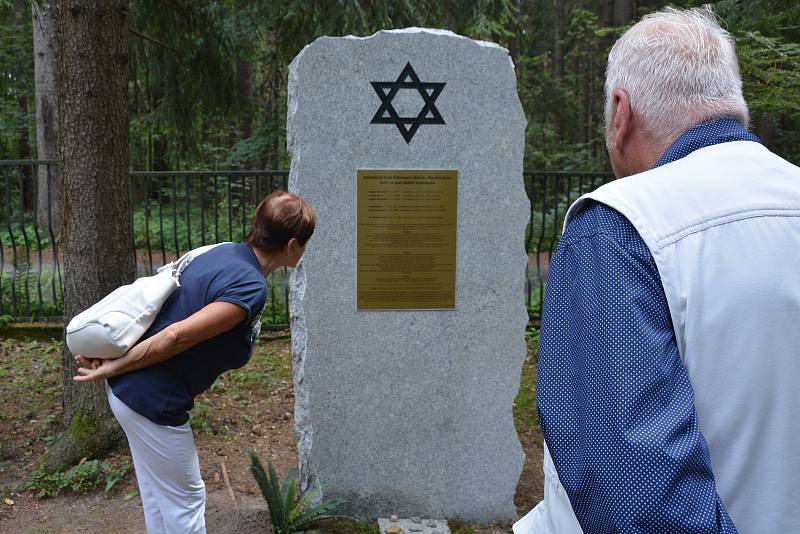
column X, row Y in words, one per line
column 409, row 412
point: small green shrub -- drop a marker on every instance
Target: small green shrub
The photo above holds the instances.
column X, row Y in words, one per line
column 38, row 237
column 48, row 434
column 532, row 334
column 81, row 478
column 287, row 513
column 350, row 526
column 252, row 376
column 27, row 293
column 198, row 418
column 459, row 527
column 176, row 226
column 43, row 484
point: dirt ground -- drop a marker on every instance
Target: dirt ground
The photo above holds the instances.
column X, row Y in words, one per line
column 250, row 408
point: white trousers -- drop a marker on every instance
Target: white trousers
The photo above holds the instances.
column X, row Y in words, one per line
column 168, row 471
column 554, row 514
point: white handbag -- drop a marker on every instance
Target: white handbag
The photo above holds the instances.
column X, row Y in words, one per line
column 109, row 328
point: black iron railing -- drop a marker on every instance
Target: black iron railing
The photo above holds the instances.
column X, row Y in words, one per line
column 173, row 212
column 551, row 194
column 30, row 270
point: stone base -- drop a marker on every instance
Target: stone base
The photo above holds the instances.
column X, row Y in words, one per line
column 415, row 525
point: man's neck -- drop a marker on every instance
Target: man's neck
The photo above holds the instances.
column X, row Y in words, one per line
column 640, row 154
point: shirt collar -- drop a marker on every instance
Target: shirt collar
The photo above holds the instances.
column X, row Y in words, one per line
column 709, row 133
column 249, row 254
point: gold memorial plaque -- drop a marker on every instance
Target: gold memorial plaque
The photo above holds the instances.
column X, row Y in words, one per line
column 406, row 239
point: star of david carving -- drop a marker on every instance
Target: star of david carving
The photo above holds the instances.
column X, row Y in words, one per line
column 408, row 126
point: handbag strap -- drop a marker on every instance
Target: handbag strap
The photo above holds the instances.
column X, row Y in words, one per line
column 179, row 265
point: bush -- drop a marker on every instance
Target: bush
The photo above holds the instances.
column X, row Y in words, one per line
column 83, row 477
column 287, row 513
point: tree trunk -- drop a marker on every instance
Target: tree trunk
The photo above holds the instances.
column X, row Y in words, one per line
column 515, row 27
column 558, row 62
column 608, row 12
column 45, row 61
column 93, row 149
column 623, row 12
column 277, row 84
column 244, row 78
column 160, row 147
column 24, row 145
column 244, row 71
column 764, row 127
column 558, row 36
column 586, row 92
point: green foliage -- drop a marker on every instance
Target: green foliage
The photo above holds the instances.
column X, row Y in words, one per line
column 31, row 374
column 17, row 109
column 771, row 68
column 208, row 78
column 525, row 414
column 174, row 227
column 253, row 376
column 252, row 148
column 84, row 425
column 23, row 288
column 25, row 235
column 288, row 513
column 183, row 72
column 198, row 418
column 349, row 526
column 47, row 434
column 532, row 338
column 767, row 36
column 81, row 478
column 460, row 527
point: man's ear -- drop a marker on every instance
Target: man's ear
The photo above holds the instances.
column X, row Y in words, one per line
column 292, row 245
column 622, row 120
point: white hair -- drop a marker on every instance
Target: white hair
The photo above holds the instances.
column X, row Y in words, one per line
column 679, row 69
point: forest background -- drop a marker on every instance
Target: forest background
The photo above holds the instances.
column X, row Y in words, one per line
column 207, row 79
column 205, row 88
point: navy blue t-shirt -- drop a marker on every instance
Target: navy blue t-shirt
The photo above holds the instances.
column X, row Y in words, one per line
column 164, row 393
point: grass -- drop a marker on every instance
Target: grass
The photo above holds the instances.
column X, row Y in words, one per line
column 30, row 371
column 31, row 376
column 349, row 526
column 32, row 292
column 525, row 415
column 459, row 527
column 86, row 476
column 198, row 418
column 31, row 396
column 269, row 366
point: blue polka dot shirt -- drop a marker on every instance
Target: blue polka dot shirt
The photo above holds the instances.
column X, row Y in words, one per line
column 615, row 402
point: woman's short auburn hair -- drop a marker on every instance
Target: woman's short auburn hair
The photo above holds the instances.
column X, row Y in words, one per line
column 280, row 217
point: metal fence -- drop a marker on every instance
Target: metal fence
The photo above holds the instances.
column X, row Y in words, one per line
column 173, row 212
column 551, row 193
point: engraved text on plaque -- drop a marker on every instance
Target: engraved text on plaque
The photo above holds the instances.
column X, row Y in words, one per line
column 407, row 239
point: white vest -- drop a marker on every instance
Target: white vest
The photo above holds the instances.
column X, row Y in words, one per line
column 723, row 226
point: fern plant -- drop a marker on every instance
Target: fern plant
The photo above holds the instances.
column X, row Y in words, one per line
column 287, row 513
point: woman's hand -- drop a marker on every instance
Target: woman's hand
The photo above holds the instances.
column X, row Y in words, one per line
column 91, row 369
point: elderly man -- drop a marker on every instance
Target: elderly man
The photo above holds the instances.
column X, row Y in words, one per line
column 670, row 343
